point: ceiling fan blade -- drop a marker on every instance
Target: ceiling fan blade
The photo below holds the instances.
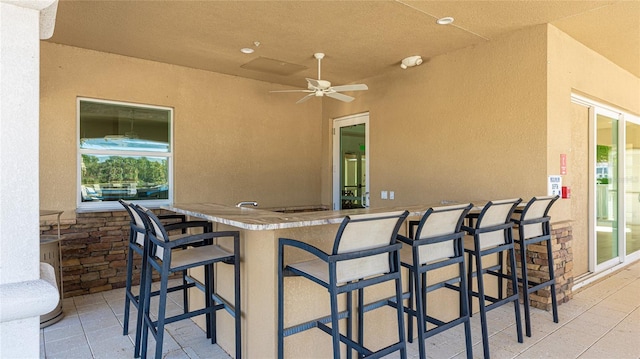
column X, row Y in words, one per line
column 355, row 87
column 291, row 91
column 306, row 98
column 339, row 96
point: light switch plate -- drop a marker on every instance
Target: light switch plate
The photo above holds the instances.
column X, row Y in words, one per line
column 392, row 195
column 383, row 194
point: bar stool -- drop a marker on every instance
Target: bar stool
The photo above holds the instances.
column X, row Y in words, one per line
column 492, row 234
column 365, row 252
column 437, row 243
column 161, row 257
column 533, row 227
column 137, row 233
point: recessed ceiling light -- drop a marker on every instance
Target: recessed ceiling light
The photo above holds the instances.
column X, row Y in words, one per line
column 445, row 20
column 246, row 50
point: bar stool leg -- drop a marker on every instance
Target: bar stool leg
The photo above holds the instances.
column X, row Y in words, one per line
column 210, row 315
column 400, row 311
column 143, row 304
column 552, row 278
column 410, row 304
column 465, row 310
column 514, row 288
column 237, row 302
column 280, row 304
column 162, row 309
column 525, row 284
column 470, row 264
column 335, row 329
column 481, row 302
column 185, row 295
column 360, row 319
column 127, row 300
column 145, row 315
column 420, row 313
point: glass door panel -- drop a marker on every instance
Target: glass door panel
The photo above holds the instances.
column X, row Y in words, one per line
column 632, row 187
column 606, row 188
column 351, row 162
column 353, row 170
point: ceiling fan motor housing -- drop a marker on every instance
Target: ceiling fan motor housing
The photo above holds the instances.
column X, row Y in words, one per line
column 321, row 85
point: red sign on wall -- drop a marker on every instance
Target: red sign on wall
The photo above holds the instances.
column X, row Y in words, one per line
column 563, row 164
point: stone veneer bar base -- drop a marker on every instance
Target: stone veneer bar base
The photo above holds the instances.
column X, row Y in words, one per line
column 94, row 251
column 538, row 266
column 95, row 248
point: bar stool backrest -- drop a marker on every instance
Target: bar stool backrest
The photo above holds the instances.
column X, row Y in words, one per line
column 157, row 230
column 495, row 214
column 438, row 222
column 137, row 224
column 366, row 231
column 535, row 215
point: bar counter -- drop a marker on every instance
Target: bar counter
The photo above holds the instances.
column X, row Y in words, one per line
column 263, row 220
column 259, row 232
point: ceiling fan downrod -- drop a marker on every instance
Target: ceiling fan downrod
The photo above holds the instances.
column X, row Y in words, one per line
column 319, row 56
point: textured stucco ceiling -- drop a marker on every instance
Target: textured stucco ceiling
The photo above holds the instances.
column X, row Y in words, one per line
column 361, row 39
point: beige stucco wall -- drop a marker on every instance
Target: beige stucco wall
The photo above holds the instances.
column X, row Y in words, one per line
column 488, row 121
column 466, row 125
column 233, row 140
column 575, row 68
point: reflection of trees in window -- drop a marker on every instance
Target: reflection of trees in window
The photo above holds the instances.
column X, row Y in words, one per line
column 117, row 169
column 118, row 160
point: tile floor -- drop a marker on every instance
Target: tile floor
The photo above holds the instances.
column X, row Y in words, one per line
column 601, row 321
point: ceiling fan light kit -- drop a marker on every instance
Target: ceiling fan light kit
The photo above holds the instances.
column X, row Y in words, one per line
column 410, row 61
column 319, row 88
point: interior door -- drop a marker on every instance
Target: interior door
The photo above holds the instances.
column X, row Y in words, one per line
column 351, row 162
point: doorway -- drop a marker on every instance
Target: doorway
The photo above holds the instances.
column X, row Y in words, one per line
column 351, row 162
column 613, row 227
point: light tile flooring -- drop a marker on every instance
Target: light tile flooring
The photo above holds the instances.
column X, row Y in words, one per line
column 601, row 321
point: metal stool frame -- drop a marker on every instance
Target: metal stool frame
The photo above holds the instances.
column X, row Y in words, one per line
column 534, row 227
column 437, row 243
column 493, row 234
column 342, row 273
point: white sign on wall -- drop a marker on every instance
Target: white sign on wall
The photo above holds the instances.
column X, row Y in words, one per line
column 554, row 186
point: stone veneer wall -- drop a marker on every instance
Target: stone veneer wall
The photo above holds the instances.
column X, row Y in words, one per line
column 538, row 266
column 94, row 256
column 94, row 252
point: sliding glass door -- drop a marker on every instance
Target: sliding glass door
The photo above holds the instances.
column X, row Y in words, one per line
column 632, row 185
column 615, row 196
column 606, row 191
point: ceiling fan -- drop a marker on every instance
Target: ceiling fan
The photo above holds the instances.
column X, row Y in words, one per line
column 321, row 88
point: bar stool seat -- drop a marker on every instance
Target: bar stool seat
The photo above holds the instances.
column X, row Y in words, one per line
column 533, row 227
column 436, row 244
column 492, row 235
column 365, row 253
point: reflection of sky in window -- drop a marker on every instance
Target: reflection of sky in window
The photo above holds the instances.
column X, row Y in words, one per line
column 123, row 143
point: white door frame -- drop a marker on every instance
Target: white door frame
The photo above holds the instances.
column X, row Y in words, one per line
column 361, row 118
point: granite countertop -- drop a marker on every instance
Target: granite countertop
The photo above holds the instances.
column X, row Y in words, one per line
column 262, row 220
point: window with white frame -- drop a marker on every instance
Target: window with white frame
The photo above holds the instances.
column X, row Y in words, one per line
column 124, row 152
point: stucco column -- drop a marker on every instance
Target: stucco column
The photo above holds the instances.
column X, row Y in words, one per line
column 24, row 293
